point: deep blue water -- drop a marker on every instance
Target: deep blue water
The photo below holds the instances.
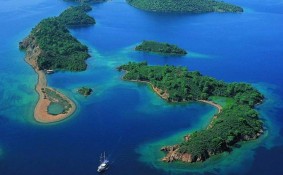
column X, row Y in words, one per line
column 127, row 120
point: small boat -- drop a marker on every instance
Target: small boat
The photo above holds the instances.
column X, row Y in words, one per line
column 104, row 164
column 49, row 71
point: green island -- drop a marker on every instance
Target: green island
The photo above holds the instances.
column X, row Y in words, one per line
column 236, row 121
column 49, row 47
column 85, row 91
column 159, row 47
column 184, row 6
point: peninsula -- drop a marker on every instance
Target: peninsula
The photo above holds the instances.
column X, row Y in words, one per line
column 184, row 6
column 161, row 48
column 50, row 46
column 234, row 122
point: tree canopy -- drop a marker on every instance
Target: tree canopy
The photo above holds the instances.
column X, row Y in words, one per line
column 77, row 16
column 236, row 122
column 59, row 49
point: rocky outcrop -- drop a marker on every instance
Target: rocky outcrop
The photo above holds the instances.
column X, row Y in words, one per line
column 169, row 148
column 252, row 137
column 173, row 153
column 187, row 137
column 32, row 49
column 27, row 42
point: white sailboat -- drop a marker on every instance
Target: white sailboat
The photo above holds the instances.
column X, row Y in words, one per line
column 104, row 163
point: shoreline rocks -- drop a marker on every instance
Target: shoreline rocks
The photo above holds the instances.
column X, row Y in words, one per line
column 173, row 154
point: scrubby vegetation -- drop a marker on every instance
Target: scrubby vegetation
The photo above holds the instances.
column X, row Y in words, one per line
column 77, row 16
column 234, row 124
column 55, row 97
column 85, row 91
column 158, row 47
column 237, row 121
column 191, row 6
column 182, row 85
column 59, row 49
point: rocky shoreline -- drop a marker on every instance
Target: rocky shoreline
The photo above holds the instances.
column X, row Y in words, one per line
column 173, row 154
column 237, row 121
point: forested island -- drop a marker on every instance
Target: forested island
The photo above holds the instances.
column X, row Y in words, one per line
column 50, row 46
column 235, row 122
column 159, row 47
column 184, row 6
column 85, row 91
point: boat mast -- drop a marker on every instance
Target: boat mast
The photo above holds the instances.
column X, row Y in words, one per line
column 101, row 158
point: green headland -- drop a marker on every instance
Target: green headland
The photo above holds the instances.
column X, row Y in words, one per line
column 236, row 121
column 184, row 6
column 58, row 48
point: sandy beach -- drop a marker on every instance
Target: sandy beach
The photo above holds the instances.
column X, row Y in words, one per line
column 41, row 110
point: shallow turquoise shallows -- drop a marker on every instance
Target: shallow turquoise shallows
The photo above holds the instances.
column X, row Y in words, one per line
column 128, row 120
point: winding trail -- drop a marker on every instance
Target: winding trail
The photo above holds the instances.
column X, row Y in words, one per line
column 213, row 104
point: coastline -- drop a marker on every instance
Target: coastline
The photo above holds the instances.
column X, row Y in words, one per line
column 165, row 95
column 41, row 109
column 155, row 89
column 41, row 57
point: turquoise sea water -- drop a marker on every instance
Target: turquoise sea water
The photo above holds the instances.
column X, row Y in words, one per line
column 127, row 120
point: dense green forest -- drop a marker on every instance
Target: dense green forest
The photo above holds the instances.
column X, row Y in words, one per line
column 238, row 121
column 59, row 49
column 158, row 47
column 191, row 6
column 77, row 16
column 182, row 85
column 233, row 124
